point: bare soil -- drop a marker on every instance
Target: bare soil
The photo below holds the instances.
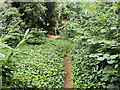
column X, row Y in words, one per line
column 52, row 37
column 68, row 81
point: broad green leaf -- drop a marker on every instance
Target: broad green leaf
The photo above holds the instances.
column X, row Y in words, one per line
column 113, row 79
column 99, row 71
column 113, row 28
column 116, row 66
column 101, row 58
column 106, row 55
column 103, row 30
column 113, row 56
column 93, row 55
column 111, row 61
column 99, row 54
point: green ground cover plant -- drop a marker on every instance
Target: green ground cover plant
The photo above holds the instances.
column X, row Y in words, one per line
column 37, row 66
column 30, row 60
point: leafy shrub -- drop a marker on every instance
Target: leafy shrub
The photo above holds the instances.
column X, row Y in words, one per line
column 69, row 30
column 37, row 36
column 40, row 14
column 9, row 17
column 96, row 59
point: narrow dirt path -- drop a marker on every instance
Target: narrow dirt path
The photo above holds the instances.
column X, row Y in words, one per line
column 68, row 81
column 52, row 37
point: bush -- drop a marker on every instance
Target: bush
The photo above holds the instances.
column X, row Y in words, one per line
column 37, row 36
column 40, row 14
column 96, row 60
column 9, row 17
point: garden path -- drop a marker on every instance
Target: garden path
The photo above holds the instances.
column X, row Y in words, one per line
column 52, row 37
column 68, row 81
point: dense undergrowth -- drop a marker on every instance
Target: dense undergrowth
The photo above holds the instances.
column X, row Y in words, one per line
column 96, row 59
column 39, row 62
column 30, row 65
column 37, row 66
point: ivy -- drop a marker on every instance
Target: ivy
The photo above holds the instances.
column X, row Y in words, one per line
column 39, row 65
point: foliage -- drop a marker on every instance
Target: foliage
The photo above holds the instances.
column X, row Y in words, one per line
column 96, row 59
column 95, row 30
column 37, row 36
column 68, row 30
column 39, row 66
column 9, row 17
column 40, row 14
column 7, row 62
column 39, row 17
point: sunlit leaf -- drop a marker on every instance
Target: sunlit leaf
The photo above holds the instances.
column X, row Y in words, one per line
column 101, row 58
column 111, row 61
column 113, row 28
